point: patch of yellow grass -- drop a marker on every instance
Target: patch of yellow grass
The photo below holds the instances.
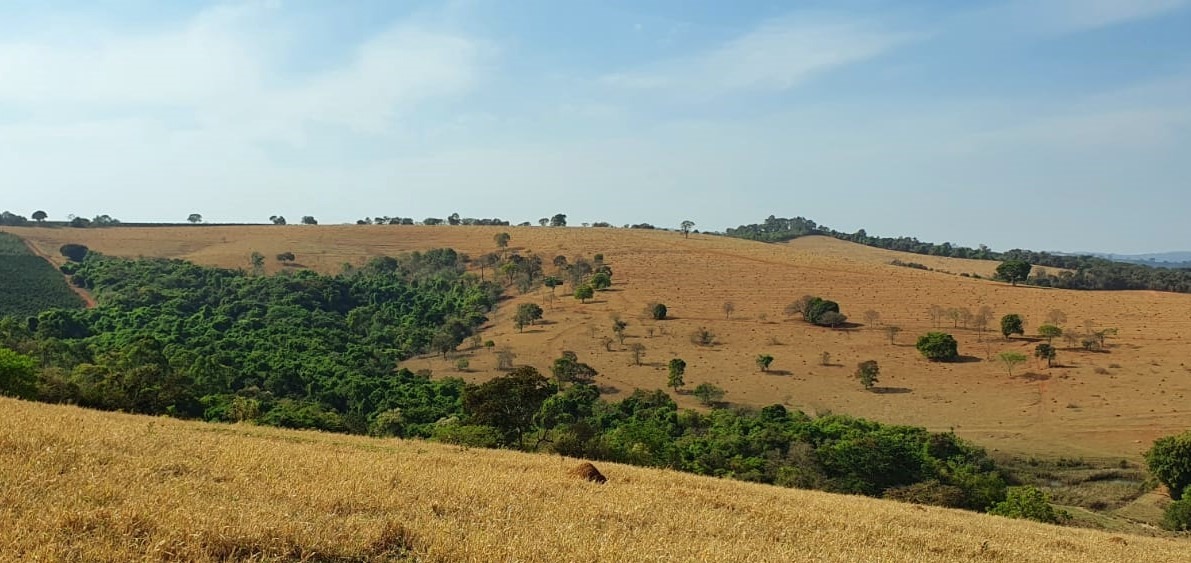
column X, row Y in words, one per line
column 78, row 485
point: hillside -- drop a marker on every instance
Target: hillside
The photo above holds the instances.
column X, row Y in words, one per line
column 142, row 488
column 1108, row 404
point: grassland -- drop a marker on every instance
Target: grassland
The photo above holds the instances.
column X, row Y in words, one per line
column 28, row 283
column 1108, row 405
column 78, row 485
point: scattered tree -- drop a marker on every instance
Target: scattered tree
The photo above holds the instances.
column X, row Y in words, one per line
column 729, row 308
column 891, row 331
column 1011, row 360
column 607, row 342
column 286, row 257
column 551, row 282
column 1046, row 352
column 194, row 218
column 936, row 314
column 938, row 346
column 601, row 281
column 568, row 369
column 763, row 361
column 1014, row 271
column 40, row 216
column 1012, row 324
column 709, row 394
column 618, row 328
column 508, row 403
column 504, row 359
column 277, row 219
column 983, row 316
column 529, row 312
column 677, row 370
column 1050, row 332
column 462, row 364
column 1056, row 317
column 638, row 351
column 74, row 252
column 309, row 220
column 502, row 239
column 258, row 262
column 658, row 311
column 686, row 228
column 867, row 372
column 703, row 337
column 832, row 319
column 558, row 220
column 825, row 359
column 1169, row 461
column 1028, row 503
column 544, row 221
column 872, row 317
column 584, row 292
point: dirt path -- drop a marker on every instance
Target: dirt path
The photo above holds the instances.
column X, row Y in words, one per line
column 82, row 293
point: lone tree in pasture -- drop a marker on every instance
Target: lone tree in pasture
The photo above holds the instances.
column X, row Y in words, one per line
column 763, row 362
column 955, row 315
column 709, row 394
column 551, row 282
column 1011, row 360
column 938, row 347
column 867, row 372
column 584, row 292
column 195, row 218
column 40, row 216
column 1056, row 317
column 1012, row 324
column 891, row 331
column 638, row 351
column 277, row 219
column 618, row 328
column 502, row 239
column 729, row 308
column 658, row 311
column 872, row 317
column 558, row 220
column 1046, row 352
column 1050, row 332
column 601, row 281
column 309, row 220
column 686, row 227
column 1014, row 271
column 677, row 370
column 703, row 337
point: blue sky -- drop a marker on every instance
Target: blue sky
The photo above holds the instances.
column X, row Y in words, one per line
column 1047, row 124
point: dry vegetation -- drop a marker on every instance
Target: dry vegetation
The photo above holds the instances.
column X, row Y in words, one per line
column 1093, row 404
column 80, row 485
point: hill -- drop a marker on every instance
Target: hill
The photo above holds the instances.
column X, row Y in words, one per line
column 28, row 283
column 1100, row 404
column 141, row 488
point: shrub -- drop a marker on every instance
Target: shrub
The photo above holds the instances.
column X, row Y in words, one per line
column 1026, row 502
column 1178, row 515
column 469, row 435
column 938, row 346
column 1012, row 324
column 709, row 394
column 816, row 308
column 703, row 337
column 931, row 492
column 1169, row 460
column 658, row 311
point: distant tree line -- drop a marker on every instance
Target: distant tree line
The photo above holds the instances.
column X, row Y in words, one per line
column 1084, row 272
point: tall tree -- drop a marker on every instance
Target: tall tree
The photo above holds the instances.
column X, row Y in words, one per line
column 1014, row 271
column 1011, row 360
column 508, row 403
column 39, row 216
column 686, row 228
column 677, row 370
column 1012, row 324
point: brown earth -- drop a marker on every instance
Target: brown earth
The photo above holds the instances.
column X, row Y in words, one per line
column 1110, row 404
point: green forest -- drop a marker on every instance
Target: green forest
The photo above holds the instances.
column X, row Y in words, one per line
column 1086, row 272
column 29, row 284
column 305, row 350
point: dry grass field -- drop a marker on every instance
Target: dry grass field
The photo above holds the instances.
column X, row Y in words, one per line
column 1101, row 405
column 79, row 485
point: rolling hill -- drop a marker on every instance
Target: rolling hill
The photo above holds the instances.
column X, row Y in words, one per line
column 1099, row 404
column 142, row 488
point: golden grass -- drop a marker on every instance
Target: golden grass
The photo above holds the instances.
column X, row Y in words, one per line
column 1088, row 407
column 78, row 485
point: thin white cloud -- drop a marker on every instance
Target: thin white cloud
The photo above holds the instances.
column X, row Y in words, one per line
column 773, row 57
column 1070, row 16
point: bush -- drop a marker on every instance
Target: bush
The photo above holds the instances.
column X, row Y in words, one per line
column 1169, row 460
column 938, row 346
column 931, row 492
column 1027, row 502
column 469, row 435
column 74, row 252
column 658, row 312
column 703, row 337
column 708, row 394
column 816, row 308
column 1178, row 515
column 18, row 377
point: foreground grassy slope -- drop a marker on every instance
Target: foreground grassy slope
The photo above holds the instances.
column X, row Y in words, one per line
column 1103, row 405
column 90, row 486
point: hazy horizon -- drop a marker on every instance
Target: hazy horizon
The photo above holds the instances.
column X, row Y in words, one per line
column 1053, row 124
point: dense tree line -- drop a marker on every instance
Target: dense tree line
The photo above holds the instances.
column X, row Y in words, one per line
column 1086, row 272
column 297, row 350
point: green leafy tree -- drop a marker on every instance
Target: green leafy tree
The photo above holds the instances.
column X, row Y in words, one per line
column 195, row 218
column 1028, row 503
column 40, row 216
column 601, row 281
column 1169, row 461
column 277, row 219
column 529, row 313
column 1177, row 517
column 618, row 328
column 1011, row 360
column 686, row 227
column 558, row 220
column 508, row 403
column 551, row 282
column 584, row 292
column 568, row 369
column 1012, row 324
column 763, row 361
column 74, row 252
column 309, row 220
column 868, row 372
column 709, row 394
column 677, row 370
column 658, row 311
column 1049, row 332
column 1046, row 352
column 18, row 377
column 1014, row 271
column 938, row 346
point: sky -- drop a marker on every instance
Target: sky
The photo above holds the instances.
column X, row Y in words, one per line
column 1042, row 124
